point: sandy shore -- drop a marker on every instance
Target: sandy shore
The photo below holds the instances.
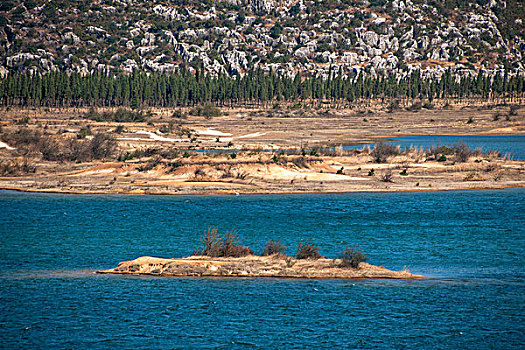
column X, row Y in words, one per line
column 253, row 266
column 285, row 127
column 260, row 174
column 262, row 169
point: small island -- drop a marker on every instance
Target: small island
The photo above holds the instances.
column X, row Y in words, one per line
column 222, row 256
column 253, row 266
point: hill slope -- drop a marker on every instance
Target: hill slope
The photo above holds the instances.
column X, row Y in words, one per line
column 233, row 36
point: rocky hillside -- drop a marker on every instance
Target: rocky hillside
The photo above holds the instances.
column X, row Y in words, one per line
column 286, row 36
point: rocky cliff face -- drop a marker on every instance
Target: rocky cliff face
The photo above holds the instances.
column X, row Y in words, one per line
column 288, row 36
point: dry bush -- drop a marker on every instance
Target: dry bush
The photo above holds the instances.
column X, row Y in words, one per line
column 514, row 110
column 494, row 154
column 307, row 250
column 85, row 131
column 474, row 176
column 393, row 106
column 212, row 242
column 16, row 167
column 273, row 247
column 300, row 162
column 387, row 176
column 415, row 107
column 25, row 141
column 227, row 172
column 199, row 174
column 103, row 146
column 232, row 248
column 462, row 152
column 151, row 164
column 216, row 245
column 437, row 152
column 241, row 174
column 492, row 167
column 53, row 148
column 382, row 151
column 352, row 257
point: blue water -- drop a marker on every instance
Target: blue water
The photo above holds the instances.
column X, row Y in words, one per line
column 471, row 243
column 514, row 145
column 511, row 145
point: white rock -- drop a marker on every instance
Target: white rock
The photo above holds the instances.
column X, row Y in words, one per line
column 370, row 38
column 350, row 58
column 143, row 50
column 71, row 36
column 19, row 59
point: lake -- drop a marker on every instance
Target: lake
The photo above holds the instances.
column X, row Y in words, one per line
column 471, row 245
column 511, row 145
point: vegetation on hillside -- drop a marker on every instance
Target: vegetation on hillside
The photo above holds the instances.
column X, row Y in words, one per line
column 227, row 37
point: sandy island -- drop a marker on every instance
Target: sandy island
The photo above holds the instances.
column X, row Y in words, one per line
column 275, row 266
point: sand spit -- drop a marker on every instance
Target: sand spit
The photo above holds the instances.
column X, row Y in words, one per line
column 263, row 173
column 253, row 266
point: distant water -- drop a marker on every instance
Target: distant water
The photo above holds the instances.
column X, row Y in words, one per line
column 471, row 243
column 513, row 145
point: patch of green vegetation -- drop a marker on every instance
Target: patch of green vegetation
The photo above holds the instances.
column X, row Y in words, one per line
column 120, row 115
column 207, row 111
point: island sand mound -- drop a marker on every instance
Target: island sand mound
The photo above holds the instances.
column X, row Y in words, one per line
column 276, row 266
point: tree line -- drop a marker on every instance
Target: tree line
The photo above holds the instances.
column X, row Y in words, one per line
column 191, row 88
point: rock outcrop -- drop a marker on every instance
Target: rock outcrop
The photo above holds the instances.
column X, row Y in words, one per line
column 285, row 36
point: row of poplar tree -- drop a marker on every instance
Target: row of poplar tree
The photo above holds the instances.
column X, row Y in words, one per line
column 185, row 88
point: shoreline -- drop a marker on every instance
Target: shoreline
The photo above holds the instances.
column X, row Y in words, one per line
column 493, row 132
column 302, row 278
column 238, row 152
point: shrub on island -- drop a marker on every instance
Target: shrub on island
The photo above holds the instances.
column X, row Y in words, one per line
column 216, row 245
column 273, row 247
column 351, row 257
column 307, row 250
